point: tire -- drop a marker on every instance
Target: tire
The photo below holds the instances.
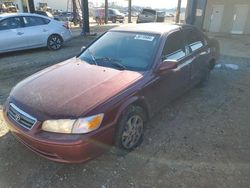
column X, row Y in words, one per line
column 129, row 131
column 113, row 20
column 205, row 78
column 55, row 42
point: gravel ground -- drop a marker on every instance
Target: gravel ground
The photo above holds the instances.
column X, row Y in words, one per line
column 202, row 139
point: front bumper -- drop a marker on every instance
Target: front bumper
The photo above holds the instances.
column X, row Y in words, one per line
column 70, row 149
column 120, row 19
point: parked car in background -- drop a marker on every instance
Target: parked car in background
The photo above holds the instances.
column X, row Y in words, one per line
column 25, row 31
column 44, row 13
column 169, row 15
column 76, row 18
column 3, row 8
column 137, row 69
column 160, row 16
column 114, row 15
column 150, row 15
column 10, row 7
column 147, row 16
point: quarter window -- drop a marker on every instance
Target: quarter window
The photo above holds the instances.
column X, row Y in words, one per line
column 174, row 48
column 194, row 40
column 10, row 23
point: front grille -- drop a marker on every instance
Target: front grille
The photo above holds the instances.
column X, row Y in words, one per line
column 21, row 117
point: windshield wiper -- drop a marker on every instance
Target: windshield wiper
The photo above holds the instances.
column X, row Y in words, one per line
column 114, row 62
column 92, row 56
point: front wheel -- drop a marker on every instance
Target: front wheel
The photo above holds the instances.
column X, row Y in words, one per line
column 113, row 20
column 55, row 42
column 129, row 133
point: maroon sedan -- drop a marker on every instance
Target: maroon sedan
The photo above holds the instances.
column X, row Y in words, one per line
column 75, row 110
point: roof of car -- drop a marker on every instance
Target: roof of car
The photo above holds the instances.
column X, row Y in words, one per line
column 157, row 28
column 7, row 15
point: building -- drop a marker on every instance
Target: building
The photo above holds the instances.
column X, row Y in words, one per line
column 21, row 5
column 224, row 16
column 55, row 4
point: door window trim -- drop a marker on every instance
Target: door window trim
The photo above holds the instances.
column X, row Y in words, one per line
column 203, row 41
column 185, row 47
column 43, row 20
column 22, row 23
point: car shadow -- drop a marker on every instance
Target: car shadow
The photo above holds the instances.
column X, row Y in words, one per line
column 23, row 52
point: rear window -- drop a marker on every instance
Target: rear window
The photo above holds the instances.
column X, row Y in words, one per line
column 10, row 23
column 194, row 39
column 148, row 11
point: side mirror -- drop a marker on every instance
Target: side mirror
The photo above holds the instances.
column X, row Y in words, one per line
column 83, row 48
column 167, row 65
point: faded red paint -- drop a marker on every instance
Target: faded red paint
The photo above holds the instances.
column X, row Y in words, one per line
column 75, row 89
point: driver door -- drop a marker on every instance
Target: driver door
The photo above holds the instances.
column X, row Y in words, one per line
column 171, row 84
column 11, row 34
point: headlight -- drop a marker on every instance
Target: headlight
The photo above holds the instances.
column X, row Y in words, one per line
column 81, row 125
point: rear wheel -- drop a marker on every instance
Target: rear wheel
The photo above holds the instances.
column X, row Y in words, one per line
column 55, row 42
column 205, row 77
column 129, row 133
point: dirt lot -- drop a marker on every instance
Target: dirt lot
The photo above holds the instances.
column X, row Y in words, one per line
column 200, row 140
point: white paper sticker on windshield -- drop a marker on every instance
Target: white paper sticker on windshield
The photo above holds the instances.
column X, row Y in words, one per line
column 144, row 37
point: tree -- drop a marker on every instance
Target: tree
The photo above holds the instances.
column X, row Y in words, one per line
column 85, row 16
column 178, row 12
column 106, row 11
column 129, row 10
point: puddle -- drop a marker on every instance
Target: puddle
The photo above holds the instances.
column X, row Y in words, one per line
column 227, row 66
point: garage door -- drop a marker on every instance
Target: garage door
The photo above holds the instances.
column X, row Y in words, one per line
column 216, row 18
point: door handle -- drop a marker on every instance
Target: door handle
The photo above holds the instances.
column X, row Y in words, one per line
column 45, row 30
column 20, row 33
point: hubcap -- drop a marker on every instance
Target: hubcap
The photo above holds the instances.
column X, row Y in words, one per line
column 55, row 42
column 132, row 132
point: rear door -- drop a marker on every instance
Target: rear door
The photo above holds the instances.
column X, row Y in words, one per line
column 11, row 34
column 36, row 30
column 199, row 53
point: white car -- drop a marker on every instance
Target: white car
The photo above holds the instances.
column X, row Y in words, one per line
column 25, row 31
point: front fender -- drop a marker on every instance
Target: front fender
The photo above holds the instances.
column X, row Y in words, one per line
column 135, row 100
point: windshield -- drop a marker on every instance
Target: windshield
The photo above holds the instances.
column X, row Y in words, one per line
column 122, row 50
column 148, row 12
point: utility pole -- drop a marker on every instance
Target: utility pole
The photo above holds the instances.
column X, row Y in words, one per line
column 129, row 11
column 178, row 12
column 106, row 11
column 85, row 17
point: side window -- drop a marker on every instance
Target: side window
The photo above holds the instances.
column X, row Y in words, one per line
column 30, row 21
column 194, row 40
column 174, row 48
column 11, row 23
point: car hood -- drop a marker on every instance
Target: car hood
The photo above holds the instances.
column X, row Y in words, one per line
column 70, row 89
